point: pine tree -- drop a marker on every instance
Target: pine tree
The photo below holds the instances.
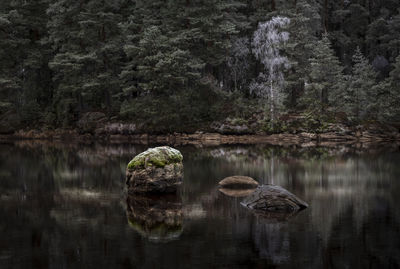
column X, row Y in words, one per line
column 326, row 78
column 177, row 48
column 349, row 26
column 24, row 78
column 388, row 100
column 303, row 28
column 210, row 27
column 86, row 39
column 361, row 97
column 382, row 37
column 10, row 81
column 395, row 73
column 159, row 59
column 163, row 66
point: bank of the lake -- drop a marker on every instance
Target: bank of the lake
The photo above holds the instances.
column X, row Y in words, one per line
column 120, row 132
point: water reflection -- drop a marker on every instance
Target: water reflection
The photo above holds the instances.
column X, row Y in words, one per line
column 272, row 240
column 64, row 206
column 158, row 218
column 236, row 192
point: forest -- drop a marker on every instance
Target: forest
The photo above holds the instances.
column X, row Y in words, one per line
column 180, row 65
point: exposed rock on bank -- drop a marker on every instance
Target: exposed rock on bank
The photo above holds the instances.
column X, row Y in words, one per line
column 155, row 170
column 272, row 198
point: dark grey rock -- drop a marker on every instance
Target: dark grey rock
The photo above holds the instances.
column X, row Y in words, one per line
column 272, row 198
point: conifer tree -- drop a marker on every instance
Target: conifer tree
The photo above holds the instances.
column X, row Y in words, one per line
column 210, row 27
column 389, row 96
column 303, row 28
column 382, row 38
column 395, row 73
column 86, row 39
column 178, row 46
column 361, row 96
column 326, row 78
column 24, row 76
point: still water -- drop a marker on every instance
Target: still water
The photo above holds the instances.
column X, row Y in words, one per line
column 64, row 206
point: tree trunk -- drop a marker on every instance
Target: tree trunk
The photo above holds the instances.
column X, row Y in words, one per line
column 272, row 109
column 326, row 15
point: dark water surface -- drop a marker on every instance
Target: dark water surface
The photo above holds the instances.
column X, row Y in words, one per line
column 64, row 206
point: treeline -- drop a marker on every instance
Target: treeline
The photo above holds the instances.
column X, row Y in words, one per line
column 175, row 63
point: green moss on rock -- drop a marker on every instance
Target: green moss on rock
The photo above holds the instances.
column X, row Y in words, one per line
column 158, row 157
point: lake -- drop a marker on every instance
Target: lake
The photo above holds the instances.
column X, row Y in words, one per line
column 65, row 206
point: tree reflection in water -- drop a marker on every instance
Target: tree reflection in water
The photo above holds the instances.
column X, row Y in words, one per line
column 64, row 206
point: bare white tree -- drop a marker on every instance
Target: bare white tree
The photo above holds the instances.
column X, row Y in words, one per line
column 267, row 41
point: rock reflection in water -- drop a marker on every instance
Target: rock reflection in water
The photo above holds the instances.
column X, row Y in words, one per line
column 157, row 218
column 272, row 239
column 236, row 192
column 61, row 207
column 262, row 216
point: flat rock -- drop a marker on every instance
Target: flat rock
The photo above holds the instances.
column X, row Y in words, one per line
column 272, row 198
column 238, row 182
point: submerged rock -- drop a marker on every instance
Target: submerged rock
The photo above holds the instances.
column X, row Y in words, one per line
column 155, row 170
column 272, row 198
column 159, row 219
column 240, row 182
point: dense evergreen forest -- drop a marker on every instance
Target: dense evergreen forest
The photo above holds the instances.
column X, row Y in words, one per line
column 178, row 65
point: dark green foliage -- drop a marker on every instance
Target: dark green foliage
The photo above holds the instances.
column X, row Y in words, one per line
column 389, row 95
column 303, row 30
column 361, row 96
column 326, row 85
column 25, row 84
column 182, row 64
column 86, row 40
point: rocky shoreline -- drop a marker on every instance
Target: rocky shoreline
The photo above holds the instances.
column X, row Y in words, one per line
column 344, row 136
column 291, row 129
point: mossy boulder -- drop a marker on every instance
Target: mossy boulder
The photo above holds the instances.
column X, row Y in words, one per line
column 158, row 157
column 155, row 170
